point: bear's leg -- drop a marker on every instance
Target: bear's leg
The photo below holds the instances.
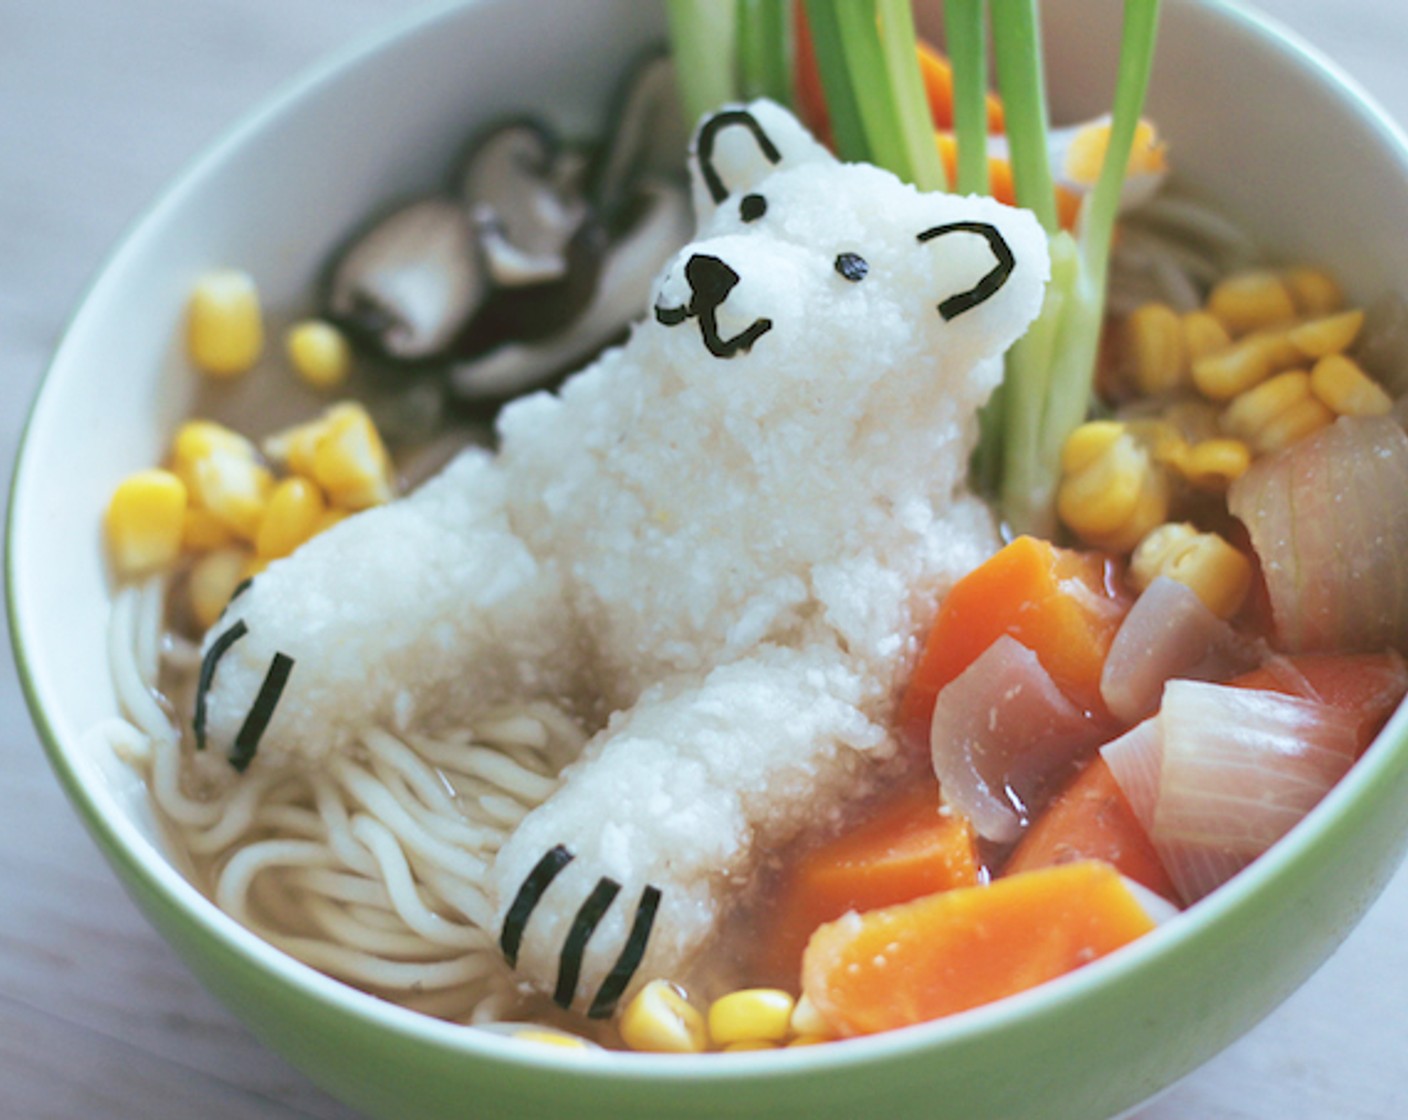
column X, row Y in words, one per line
column 427, row 609
column 624, row 872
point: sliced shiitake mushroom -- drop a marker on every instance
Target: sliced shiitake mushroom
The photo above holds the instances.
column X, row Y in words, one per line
column 523, row 194
column 411, row 282
column 622, row 290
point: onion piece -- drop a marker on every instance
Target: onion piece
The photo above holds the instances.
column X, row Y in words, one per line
column 1236, row 770
column 1001, row 730
column 1168, row 633
column 1330, row 527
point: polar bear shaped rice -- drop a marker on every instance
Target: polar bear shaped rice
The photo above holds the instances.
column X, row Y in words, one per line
column 716, row 546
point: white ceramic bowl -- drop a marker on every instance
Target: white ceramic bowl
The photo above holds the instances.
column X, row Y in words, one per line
column 1286, row 144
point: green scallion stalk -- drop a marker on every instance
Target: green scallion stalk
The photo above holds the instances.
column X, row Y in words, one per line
column 703, row 38
column 866, row 52
column 967, row 52
column 1016, row 40
column 765, row 49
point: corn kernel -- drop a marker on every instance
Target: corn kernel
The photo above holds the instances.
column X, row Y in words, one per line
column 319, row 353
column 292, row 515
column 1165, row 442
column 1214, row 464
column 234, row 489
column 1251, row 301
column 253, row 566
column 1154, row 338
column 1330, row 334
column 295, row 447
column 202, row 531
column 1193, row 418
column 659, row 1019
column 331, row 516
column 748, row 1044
column 1276, row 413
column 1203, row 562
column 224, row 326
column 1313, row 290
column 213, row 580
column 1113, row 497
column 1243, row 364
column 144, row 522
column 810, row 1039
column 1203, row 336
column 750, row 1015
column 1089, row 442
column 1340, row 384
column 350, row 461
column 199, row 439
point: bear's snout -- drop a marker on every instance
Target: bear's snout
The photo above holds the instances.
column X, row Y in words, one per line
column 710, row 280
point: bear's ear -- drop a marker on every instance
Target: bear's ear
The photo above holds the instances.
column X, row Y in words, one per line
column 976, row 263
column 740, row 145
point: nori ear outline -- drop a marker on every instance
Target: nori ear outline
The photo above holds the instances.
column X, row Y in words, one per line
column 992, row 280
column 705, row 146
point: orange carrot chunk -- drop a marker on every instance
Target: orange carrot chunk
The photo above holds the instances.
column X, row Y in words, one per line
column 1090, row 819
column 959, row 949
column 1061, row 604
column 908, row 849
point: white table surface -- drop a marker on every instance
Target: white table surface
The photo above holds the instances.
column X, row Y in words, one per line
column 101, row 102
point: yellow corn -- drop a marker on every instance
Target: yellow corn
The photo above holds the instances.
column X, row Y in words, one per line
column 1214, row 464
column 1251, row 301
column 1157, row 352
column 253, row 566
column 1164, row 440
column 1203, row 562
column 661, row 1020
column 213, row 580
column 1276, row 413
column 1341, row 385
column 293, row 514
column 1244, row 364
column 1313, row 290
column 752, row 1015
column 1193, row 418
column 144, row 521
column 1329, row 334
column 200, row 439
column 810, row 1039
column 202, row 531
column 234, row 489
column 350, row 461
column 748, row 1044
column 319, row 353
column 1203, row 335
column 224, row 326
column 1111, row 492
column 331, row 516
column 342, row 451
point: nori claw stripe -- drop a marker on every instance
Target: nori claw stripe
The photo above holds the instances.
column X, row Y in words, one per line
column 588, row 917
column 526, row 900
column 217, row 650
column 240, row 589
column 261, row 712
column 992, row 280
column 629, row 960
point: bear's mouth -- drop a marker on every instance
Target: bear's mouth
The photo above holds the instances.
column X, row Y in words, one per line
column 710, row 280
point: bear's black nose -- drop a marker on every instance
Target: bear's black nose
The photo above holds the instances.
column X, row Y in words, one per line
column 709, row 279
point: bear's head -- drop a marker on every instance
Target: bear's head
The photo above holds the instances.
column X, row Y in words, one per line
column 833, row 276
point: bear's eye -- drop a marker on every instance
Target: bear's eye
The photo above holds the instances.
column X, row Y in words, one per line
column 751, row 207
column 852, row 266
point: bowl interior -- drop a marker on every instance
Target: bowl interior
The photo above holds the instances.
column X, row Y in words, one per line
column 1252, row 119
